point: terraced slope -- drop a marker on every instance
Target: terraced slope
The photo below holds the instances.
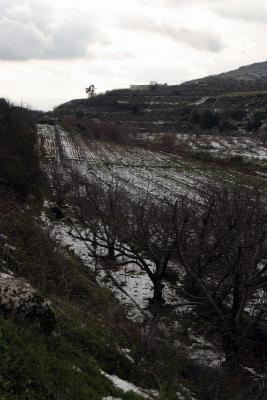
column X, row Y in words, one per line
column 232, row 103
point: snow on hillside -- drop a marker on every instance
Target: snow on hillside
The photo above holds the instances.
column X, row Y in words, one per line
column 47, row 142
column 130, row 387
column 226, row 146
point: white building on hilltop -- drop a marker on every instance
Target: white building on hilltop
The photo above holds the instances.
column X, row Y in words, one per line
column 148, row 87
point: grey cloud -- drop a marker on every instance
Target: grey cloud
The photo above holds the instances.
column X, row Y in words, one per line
column 117, row 55
column 18, row 41
column 29, row 31
column 177, row 3
column 198, row 39
column 69, row 41
column 29, row 11
column 247, row 11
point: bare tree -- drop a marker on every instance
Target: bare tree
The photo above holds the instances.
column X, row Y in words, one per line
column 100, row 210
column 223, row 251
column 137, row 231
column 151, row 238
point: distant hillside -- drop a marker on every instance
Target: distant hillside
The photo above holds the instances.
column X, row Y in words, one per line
column 230, row 103
column 244, row 79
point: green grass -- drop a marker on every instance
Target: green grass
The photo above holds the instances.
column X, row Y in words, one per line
column 61, row 366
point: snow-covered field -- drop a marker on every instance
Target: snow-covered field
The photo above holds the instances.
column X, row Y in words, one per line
column 141, row 170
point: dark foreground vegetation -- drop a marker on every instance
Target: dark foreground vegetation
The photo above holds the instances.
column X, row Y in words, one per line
column 19, row 163
column 91, row 327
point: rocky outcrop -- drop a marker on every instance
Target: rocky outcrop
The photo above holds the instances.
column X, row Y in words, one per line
column 20, row 300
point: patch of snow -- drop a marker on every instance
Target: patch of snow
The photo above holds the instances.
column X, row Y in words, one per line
column 201, row 101
column 130, row 387
column 216, row 145
column 204, row 353
column 159, row 122
column 5, row 276
column 126, row 353
column 110, row 398
column 253, row 372
column 185, row 394
column 7, row 246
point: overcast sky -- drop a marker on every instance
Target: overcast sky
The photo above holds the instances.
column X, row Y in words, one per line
column 50, row 50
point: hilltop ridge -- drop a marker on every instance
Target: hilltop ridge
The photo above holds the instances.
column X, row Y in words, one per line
column 254, row 71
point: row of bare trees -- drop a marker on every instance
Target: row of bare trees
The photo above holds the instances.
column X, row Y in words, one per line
column 217, row 244
column 128, row 230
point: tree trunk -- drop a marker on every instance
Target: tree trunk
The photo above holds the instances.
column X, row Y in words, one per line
column 158, row 292
column 231, row 348
column 191, row 286
column 232, row 339
column 111, row 252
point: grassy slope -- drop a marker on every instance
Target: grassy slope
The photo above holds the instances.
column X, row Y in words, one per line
column 68, row 363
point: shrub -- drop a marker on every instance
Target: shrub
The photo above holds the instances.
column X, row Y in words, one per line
column 101, row 131
column 209, row 120
column 19, row 163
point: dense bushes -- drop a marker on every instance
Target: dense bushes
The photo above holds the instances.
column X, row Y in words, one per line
column 209, row 120
column 255, row 121
column 19, row 164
